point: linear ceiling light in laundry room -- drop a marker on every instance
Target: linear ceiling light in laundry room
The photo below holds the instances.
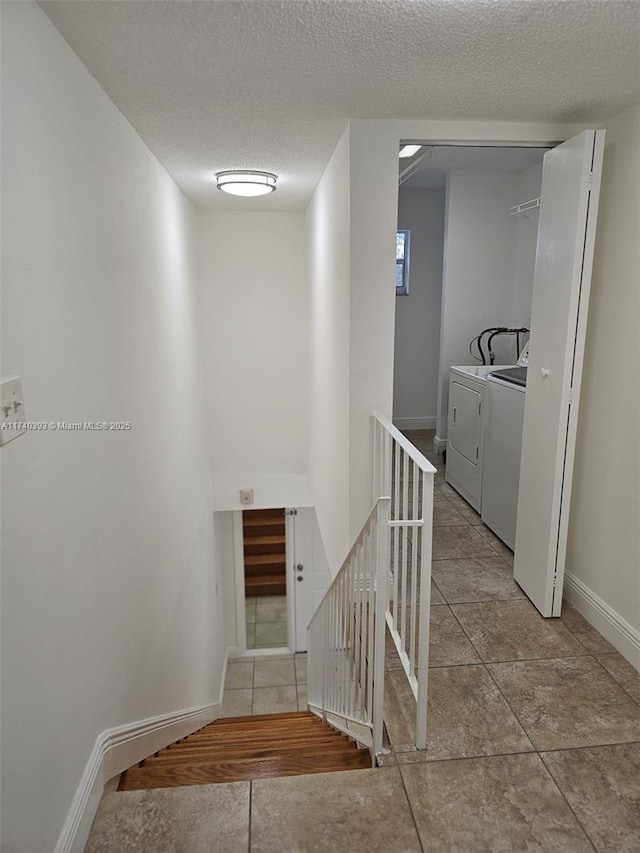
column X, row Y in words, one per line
column 409, row 150
column 246, row 182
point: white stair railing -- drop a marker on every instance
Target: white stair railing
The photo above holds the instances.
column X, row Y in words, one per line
column 400, row 470
column 347, row 634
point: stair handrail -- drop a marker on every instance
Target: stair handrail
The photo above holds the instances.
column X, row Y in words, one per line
column 400, row 470
column 346, row 636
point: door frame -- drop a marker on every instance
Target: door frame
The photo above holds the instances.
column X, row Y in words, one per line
column 439, row 444
column 290, row 514
column 238, row 572
column 579, row 350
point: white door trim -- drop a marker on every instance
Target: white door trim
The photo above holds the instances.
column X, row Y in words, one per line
column 290, row 537
column 238, row 573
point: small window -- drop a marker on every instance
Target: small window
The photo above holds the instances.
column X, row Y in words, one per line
column 402, row 262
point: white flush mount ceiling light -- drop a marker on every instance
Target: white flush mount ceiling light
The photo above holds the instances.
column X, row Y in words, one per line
column 409, row 150
column 246, row 182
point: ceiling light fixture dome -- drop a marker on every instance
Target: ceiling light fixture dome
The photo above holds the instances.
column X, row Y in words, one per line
column 246, row 182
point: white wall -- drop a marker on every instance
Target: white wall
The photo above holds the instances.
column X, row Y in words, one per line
column 110, row 590
column 479, row 259
column 351, row 333
column 255, row 323
column 604, row 539
column 373, row 176
column 328, row 235
column 417, row 324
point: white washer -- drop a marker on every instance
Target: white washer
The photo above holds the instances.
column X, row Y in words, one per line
column 464, row 431
column 502, row 443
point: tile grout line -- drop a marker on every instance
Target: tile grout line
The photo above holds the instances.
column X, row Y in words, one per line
column 560, row 749
column 562, row 794
column 482, row 662
column 620, row 685
column 526, row 733
column 462, row 757
column 253, row 684
column 413, row 817
column 498, row 601
column 588, row 746
column 250, row 815
column 575, row 636
column 510, row 660
column 508, row 704
column 480, row 600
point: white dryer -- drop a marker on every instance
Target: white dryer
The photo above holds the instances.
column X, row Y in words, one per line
column 464, row 431
column 503, row 420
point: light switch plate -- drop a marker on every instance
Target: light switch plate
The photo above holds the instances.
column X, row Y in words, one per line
column 11, row 410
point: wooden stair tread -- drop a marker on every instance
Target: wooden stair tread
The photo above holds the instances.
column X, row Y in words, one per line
column 262, row 727
column 264, row 527
column 254, row 520
column 267, row 512
column 243, row 769
column 245, row 751
column 266, row 738
column 260, row 718
column 266, row 570
column 265, row 585
column 253, row 532
column 242, row 743
column 275, row 544
column 215, row 742
column 243, row 748
column 265, row 559
column 281, row 730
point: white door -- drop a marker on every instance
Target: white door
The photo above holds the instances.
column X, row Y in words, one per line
column 566, row 234
column 465, row 423
column 308, row 576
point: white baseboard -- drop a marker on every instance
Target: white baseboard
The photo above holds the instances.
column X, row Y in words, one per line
column 439, row 444
column 613, row 627
column 415, row 423
column 119, row 748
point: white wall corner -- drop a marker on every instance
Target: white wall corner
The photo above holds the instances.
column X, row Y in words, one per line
column 613, row 627
column 117, row 749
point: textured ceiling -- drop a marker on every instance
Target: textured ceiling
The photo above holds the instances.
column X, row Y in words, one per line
column 270, row 84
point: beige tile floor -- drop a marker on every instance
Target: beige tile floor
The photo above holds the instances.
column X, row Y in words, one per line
column 272, row 684
column 534, row 737
column 266, row 621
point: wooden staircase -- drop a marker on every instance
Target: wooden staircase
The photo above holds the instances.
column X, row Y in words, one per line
column 265, row 554
column 242, row 748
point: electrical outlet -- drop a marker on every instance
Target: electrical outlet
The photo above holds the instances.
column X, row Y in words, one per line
column 246, row 497
column 11, row 411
